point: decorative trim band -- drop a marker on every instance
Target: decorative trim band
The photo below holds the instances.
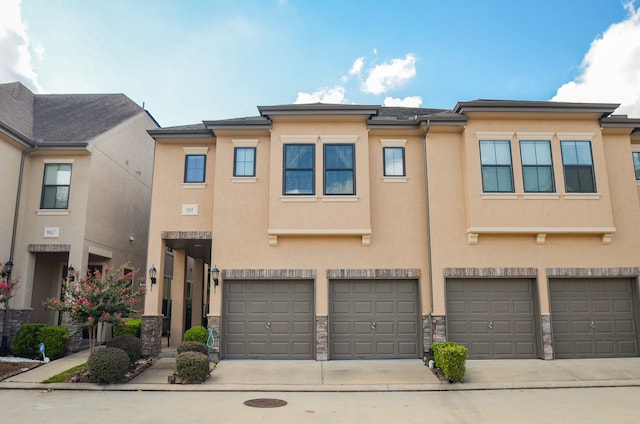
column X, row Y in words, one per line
column 268, row 274
column 632, row 271
column 186, row 235
column 381, row 273
column 490, row 272
column 49, row 248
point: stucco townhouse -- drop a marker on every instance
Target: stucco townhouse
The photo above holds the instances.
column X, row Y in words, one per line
column 76, row 190
column 326, row 231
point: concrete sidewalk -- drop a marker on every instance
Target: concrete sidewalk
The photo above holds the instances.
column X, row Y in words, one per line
column 354, row 375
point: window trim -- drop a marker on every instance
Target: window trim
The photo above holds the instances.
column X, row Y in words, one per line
column 537, row 166
column 235, row 162
column 483, row 166
column 636, row 168
column 352, row 169
column 384, row 161
column 186, row 168
column 312, row 169
column 577, row 166
column 44, row 185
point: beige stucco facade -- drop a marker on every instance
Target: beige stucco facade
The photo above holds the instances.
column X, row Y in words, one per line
column 434, row 225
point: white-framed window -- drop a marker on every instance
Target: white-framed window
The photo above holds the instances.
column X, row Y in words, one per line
column 497, row 170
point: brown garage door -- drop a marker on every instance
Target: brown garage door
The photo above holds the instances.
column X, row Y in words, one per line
column 374, row 319
column 268, row 319
column 593, row 318
column 493, row 318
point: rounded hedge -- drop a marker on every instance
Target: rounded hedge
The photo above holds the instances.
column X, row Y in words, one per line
column 27, row 341
column 55, row 339
column 193, row 367
column 130, row 344
column 197, row 333
column 128, row 328
column 192, row 346
column 108, row 365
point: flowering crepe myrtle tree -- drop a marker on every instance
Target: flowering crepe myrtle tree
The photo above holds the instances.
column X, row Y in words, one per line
column 7, row 286
column 98, row 298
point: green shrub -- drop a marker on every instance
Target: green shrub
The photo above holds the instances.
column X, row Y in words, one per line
column 55, row 339
column 130, row 344
column 128, row 328
column 198, row 333
column 193, row 367
column 27, row 342
column 192, row 346
column 451, row 359
column 108, row 365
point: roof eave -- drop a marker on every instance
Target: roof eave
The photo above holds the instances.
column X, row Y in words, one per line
column 604, row 109
column 319, row 109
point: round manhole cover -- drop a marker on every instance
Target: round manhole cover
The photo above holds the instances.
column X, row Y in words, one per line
column 265, row 403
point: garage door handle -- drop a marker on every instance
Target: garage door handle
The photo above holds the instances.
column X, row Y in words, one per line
column 267, row 326
column 373, row 325
column 592, row 324
column 490, row 325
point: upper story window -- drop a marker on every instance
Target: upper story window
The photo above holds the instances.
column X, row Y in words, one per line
column 497, row 173
column 393, row 161
column 299, row 169
column 578, row 167
column 537, row 166
column 636, row 164
column 244, row 164
column 194, row 168
column 339, row 169
column 55, row 186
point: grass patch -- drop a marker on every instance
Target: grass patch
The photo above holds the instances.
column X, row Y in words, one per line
column 62, row 377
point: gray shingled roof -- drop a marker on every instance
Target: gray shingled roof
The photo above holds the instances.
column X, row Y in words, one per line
column 62, row 117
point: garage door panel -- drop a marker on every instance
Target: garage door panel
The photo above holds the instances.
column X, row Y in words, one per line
column 381, row 314
column 600, row 317
column 237, row 307
column 340, row 328
column 257, row 307
column 492, row 317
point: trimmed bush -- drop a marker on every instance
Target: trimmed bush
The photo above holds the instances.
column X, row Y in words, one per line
column 128, row 328
column 27, row 342
column 197, row 333
column 192, row 367
column 436, row 347
column 130, row 344
column 108, row 365
column 192, row 346
column 452, row 360
column 55, row 339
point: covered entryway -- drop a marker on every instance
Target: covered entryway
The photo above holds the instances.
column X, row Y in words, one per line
column 593, row 318
column 374, row 319
column 493, row 318
column 270, row 319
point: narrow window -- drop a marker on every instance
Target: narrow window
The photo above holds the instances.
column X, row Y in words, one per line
column 537, row 166
column 194, row 167
column 497, row 175
column 55, row 186
column 339, row 175
column 244, row 162
column 393, row 161
column 636, row 164
column 578, row 167
column 299, row 167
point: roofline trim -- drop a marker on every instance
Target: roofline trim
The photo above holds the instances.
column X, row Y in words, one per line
column 534, row 106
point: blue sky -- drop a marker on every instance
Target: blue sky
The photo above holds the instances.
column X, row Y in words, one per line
column 195, row 60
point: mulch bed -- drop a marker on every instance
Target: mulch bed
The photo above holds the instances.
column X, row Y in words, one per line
column 83, row 376
column 11, row 368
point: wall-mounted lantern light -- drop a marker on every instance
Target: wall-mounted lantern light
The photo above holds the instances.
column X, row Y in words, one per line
column 215, row 274
column 71, row 273
column 152, row 274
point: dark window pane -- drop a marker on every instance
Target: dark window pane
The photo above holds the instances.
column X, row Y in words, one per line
column 298, row 182
column 339, row 169
column 338, row 156
column 495, row 157
column 636, row 164
column 299, row 169
column 339, row 182
column 245, row 162
column 55, row 187
column 394, row 161
column 194, row 168
column 298, row 156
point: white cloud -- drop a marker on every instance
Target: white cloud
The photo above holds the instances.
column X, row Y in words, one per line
column 611, row 68
column 410, row 101
column 323, row 95
column 14, row 48
column 356, row 68
column 389, row 75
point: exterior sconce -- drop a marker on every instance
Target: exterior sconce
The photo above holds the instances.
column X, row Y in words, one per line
column 8, row 267
column 152, row 274
column 71, row 273
column 215, row 274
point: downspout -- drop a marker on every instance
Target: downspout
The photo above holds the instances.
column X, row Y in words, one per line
column 428, row 221
column 17, row 208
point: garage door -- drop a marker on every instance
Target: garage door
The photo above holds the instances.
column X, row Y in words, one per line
column 374, row 319
column 493, row 318
column 268, row 319
column 593, row 318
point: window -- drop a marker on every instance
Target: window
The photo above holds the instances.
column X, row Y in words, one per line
column 299, row 167
column 194, row 167
column 537, row 166
column 244, row 162
column 578, row 167
column 339, row 176
column 497, row 175
column 55, row 186
column 636, row 164
column 393, row 161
